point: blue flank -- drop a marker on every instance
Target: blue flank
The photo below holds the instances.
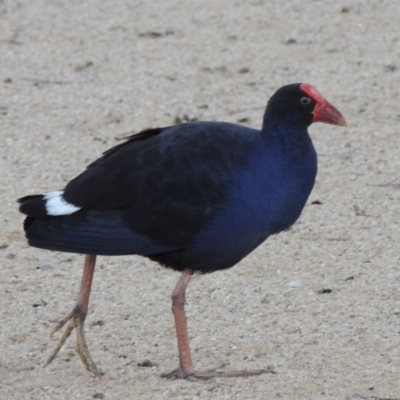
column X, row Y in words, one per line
column 200, row 195
column 267, row 197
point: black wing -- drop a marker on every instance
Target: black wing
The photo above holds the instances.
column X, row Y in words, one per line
column 162, row 185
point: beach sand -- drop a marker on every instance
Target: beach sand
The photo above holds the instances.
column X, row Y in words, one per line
column 318, row 306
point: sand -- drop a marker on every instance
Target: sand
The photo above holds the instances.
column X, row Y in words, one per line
column 319, row 305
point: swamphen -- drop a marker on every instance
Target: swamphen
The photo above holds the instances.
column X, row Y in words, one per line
column 195, row 197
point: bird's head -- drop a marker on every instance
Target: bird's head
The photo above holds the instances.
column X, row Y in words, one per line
column 301, row 104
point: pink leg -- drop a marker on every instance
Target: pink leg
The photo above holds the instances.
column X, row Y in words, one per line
column 186, row 369
column 76, row 319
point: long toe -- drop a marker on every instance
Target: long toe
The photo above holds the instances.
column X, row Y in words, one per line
column 197, row 376
column 75, row 321
column 71, row 326
column 83, row 350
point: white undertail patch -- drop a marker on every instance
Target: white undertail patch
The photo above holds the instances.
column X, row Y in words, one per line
column 56, row 204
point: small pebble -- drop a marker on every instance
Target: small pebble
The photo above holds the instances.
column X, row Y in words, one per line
column 45, row 267
column 324, row 291
column 294, row 284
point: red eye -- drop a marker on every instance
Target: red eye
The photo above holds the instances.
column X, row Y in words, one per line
column 305, row 100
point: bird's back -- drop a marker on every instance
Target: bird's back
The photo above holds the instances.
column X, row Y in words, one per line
column 200, row 195
column 265, row 198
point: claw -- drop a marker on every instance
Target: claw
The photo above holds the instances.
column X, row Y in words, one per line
column 197, row 376
column 75, row 322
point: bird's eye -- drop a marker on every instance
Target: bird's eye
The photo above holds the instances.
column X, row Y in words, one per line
column 305, row 100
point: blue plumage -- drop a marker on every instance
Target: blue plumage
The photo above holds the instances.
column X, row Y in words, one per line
column 195, row 197
column 194, row 189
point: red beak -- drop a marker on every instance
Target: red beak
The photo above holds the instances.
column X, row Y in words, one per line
column 326, row 112
column 323, row 111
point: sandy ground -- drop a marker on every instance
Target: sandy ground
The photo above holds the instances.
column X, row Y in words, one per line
column 76, row 75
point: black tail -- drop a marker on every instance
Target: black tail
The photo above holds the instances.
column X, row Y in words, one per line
column 33, row 206
column 88, row 232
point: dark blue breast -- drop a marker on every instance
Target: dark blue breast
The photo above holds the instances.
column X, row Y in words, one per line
column 265, row 198
column 200, row 195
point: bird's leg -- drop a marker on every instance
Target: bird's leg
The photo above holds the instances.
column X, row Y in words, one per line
column 186, row 369
column 76, row 319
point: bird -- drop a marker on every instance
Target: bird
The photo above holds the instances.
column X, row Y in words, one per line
column 195, row 197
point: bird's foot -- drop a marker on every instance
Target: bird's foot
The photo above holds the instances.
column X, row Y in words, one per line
column 76, row 321
column 196, row 376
